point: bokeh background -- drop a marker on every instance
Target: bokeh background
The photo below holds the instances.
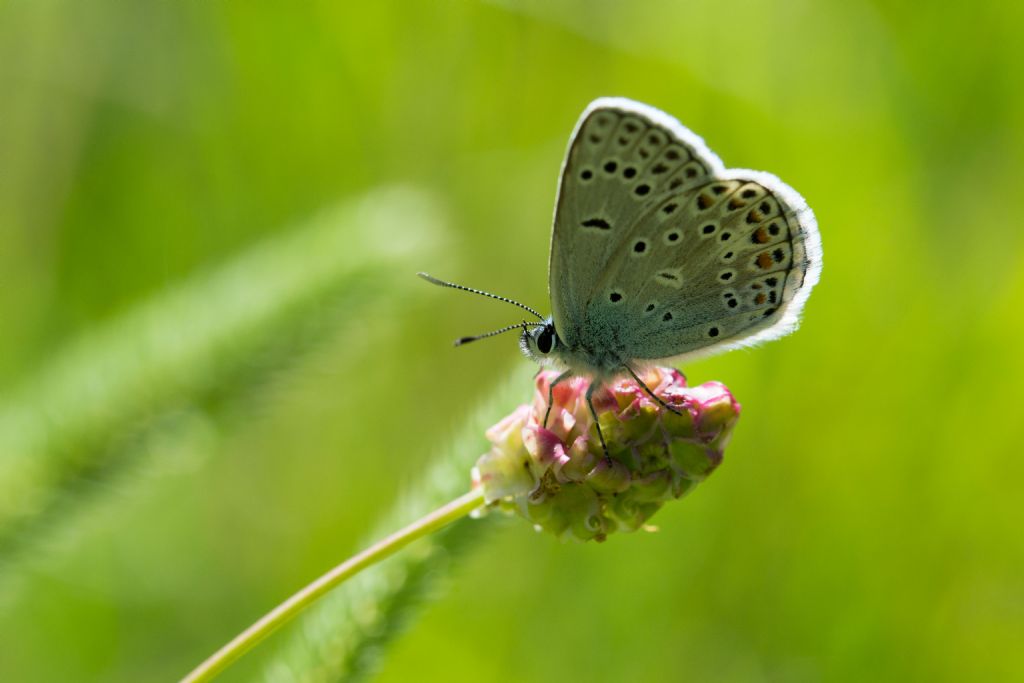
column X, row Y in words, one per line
column 867, row 522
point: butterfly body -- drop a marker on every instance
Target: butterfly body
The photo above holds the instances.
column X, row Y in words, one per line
column 591, row 361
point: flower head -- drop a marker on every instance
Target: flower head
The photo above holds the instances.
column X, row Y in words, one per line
column 558, row 476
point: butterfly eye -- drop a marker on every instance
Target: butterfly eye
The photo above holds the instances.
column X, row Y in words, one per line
column 546, row 340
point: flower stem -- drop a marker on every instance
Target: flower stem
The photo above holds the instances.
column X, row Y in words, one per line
column 247, row 639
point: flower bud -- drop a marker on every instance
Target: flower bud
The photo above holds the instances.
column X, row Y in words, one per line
column 559, row 478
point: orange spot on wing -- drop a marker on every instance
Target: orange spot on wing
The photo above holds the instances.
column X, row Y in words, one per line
column 764, row 260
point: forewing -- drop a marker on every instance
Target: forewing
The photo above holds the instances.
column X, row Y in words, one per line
column 622, row 157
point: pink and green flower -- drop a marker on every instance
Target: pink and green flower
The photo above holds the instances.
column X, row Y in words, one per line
column 558, row 477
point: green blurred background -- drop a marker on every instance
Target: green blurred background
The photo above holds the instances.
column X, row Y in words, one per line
column 867, row 522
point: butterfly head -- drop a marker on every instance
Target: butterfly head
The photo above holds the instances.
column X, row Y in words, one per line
column 540, row 342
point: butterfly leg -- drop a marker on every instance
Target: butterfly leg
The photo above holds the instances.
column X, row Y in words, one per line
column 649, row 392
column 551, row 394
column 594, row 386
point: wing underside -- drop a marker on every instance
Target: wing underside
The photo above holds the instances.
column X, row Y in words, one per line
column 659, row 251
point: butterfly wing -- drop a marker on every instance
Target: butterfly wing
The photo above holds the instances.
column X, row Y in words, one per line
column 658, row 251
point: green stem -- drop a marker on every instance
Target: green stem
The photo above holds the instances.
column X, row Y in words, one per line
column 247, row 639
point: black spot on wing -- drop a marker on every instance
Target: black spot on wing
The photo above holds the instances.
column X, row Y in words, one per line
column 597, row 223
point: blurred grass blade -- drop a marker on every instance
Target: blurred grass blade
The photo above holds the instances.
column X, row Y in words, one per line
column 343, row 637
column 209, row 340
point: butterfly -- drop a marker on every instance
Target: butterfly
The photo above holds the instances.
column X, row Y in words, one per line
column 661, row 254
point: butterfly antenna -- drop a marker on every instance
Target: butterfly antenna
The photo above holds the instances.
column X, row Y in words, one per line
column 523, row 325
column 442, row 283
